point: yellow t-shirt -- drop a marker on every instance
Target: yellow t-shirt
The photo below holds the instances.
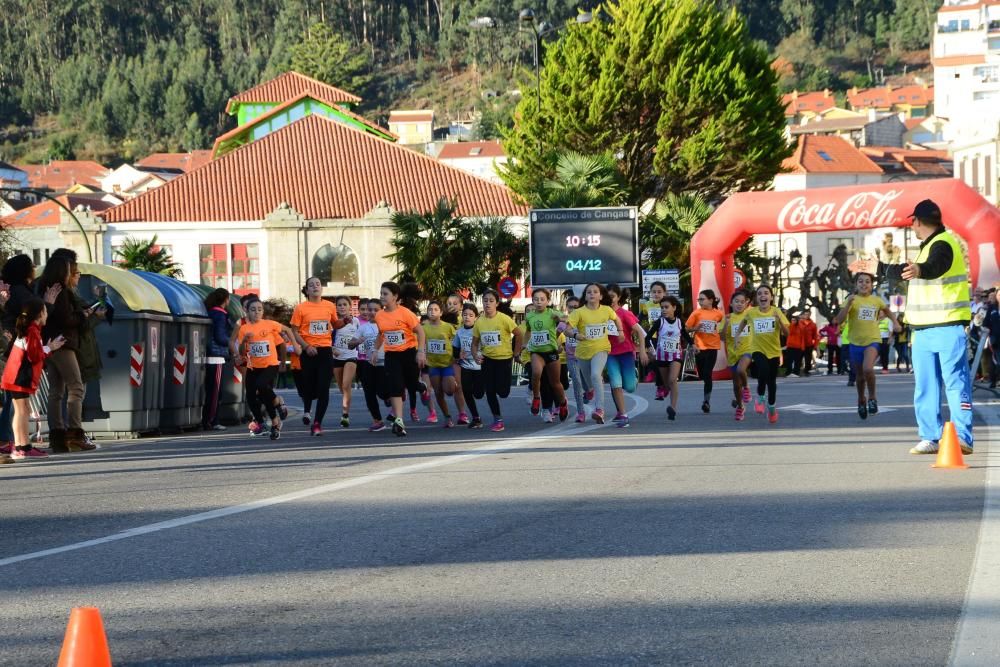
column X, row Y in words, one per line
column 864, row 316
column 736, row 345
column 438, row 338
column 592, row 324
column 525, row 352
column 766, row 334
column 562, row 348
column 494, row 334
column 650, row 311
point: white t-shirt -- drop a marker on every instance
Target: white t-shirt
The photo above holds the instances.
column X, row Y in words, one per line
column 343, row 336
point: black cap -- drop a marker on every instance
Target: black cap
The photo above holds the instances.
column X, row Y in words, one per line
column 925, row 210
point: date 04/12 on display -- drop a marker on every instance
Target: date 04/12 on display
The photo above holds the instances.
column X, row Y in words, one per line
column 583, row 265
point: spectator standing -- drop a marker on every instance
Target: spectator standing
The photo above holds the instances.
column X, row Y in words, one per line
column 901, row 343
column 831, row 332
column 216, row 354
column 810, row 335
column 885, row 332
column 991, row 327
column 794, row 347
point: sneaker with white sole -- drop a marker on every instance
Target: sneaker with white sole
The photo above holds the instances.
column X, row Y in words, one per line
column 925, row 447
column 966, row 449
column 306, row 419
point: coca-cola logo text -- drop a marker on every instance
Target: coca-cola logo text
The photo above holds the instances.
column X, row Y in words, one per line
column 864, row 209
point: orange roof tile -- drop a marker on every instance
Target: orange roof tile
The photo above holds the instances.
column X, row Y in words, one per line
column 833, row 155
column 796, row 102
column 289, row 85
column 419, row 116
column 321, row 168
column 179, row 161
column 46, row 212
column 471, row 149
column 884, row 97
column 883, row 151
column 58, row 175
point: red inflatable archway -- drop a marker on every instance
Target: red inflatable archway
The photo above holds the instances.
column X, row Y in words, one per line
column 856, row 207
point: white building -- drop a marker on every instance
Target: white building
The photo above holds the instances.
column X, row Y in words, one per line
column 479, row 158
column 127, row 181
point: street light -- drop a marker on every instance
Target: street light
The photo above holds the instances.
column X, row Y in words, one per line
column 527, row 18
column 41, row 193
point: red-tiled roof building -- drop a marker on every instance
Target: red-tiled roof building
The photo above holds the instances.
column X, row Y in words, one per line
column 60, row 175
column 184, row 162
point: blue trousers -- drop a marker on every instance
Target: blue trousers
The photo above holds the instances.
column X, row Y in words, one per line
column 939, row 357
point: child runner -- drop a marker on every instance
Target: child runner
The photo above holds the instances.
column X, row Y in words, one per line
column 438, row 335
column 665, row 337
column 261, row 339
column 492, row 349
column 313, row 322
column 704, row 323
column 401, row 333
column 453, row 316
column 23, row 370
column 864, row 310
column 589, row 325
column 737, row 339
column 577, row 380
column 652, row 311
column 345, row 358
column 409, row 296
column 472, row 375
column 544, row 324
column 549, row 408
column 621, row 362
column 371, row 363
column 767, row 324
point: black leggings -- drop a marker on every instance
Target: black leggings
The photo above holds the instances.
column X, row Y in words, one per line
column 375, row 386
column 883, row 353
column 496, row 379
column 767, row 376
column 472, row 388
column 316, row 374
column 704, row 361
column 548, row 396
column 260, row 389
column 402, row 373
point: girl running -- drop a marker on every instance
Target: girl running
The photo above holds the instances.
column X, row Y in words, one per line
column 313, row 322
column 621, row 362
column 453, row 316
column 259, row 340
column 492, row 349
column 438, row 335
column 409, row 297
column 371, row 363
column 704, row 323
column 864, row 310
column 472, row 375
column 345, row 358
column 666, row 338
column 544, row 323
column 549, row 408
column 577, row 380
column 589, row 325
column 767, row 324
column 652, row 310
column 24, row 369
column 401, row 334
column 737, row 339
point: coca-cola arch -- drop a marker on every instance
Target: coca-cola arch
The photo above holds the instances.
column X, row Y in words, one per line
column 855, row 207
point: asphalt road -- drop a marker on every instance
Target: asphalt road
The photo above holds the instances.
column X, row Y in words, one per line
column 818, row 540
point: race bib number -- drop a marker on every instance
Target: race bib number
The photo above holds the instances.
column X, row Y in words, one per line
column 592, row 331
column 867, row 313
column 539, row 338
column 340, row 342
column 736, row 328
column 319, row 327
column 669, row 345
column 437, row 346
column 394, row 337
column 612, row 328
column 571, row 344
column 490, row 338
column 764, row 325
column 654, row 314
column 260, row 349
column 466, row 344
column 368, row 347
column 708, row 326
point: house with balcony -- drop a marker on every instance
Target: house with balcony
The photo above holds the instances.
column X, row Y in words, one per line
column 914, row 101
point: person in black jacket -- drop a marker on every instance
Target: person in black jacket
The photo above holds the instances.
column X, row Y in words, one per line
column 217, row 303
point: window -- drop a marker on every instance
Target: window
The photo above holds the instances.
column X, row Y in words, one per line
column 825, row 156
column 213, row 270
column 336, row 264
column 966, row 24
column 987, row 175
column 988, row 73
column 771, row 249
column 246, row 268
column 831, row 245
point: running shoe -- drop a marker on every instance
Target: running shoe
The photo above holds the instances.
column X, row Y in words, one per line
column 850, row 383
column 306, row 419
column 623, row 422
column 746, row 394
column 650, row 377
column 598, row 415
column 740, row 414
column 316, row 430
column 872, row 406
column 448, row 423
column 563, row 411
column 705, row 407
column 661, row 393
column 925, row 447
column 216, row 427
column 772, row 414
column 581, row 418
column 966, row 449
column 376, row 426
column 862, row 410
column 546, row 415
column 275, row 431
column 549, row 418
column 283, row 411
column 588, row 395
column 398, row 428
column 414, row 417
column 6, row 448
column 257, row 429
column 28, row 452
column 476, row 423
column 758, row 405
column 425, row 395
column 345, row 420
column 671, row 413
column 432, row 418
column 5, row 458
column 497, row 425
column 535, row 403
column 463, row 419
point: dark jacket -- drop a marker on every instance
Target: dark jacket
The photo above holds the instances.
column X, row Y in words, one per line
column 66, row 318
column 222, row 329
column 18, row 295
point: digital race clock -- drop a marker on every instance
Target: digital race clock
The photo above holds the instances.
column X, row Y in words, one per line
column 572, row 246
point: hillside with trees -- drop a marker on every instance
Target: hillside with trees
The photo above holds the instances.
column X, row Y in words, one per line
column 115, row 80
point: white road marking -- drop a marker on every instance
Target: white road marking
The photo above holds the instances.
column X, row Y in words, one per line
column 810, row 409
column 977, row 642
column 550, row 433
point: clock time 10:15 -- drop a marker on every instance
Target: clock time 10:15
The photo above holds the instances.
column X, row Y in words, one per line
column 591, row 240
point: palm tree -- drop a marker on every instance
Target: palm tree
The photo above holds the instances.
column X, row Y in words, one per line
column 147, row 256
column 581, row 181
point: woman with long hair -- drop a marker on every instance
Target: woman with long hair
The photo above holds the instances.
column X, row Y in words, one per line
column 217, row 352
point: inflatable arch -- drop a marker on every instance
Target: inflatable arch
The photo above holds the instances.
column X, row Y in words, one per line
column 856, row 207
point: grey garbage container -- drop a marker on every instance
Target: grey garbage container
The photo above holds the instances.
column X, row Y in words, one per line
column 232, row 393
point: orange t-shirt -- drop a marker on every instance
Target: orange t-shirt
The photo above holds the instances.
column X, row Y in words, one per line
column 262, row 348
column 315, row 322
column 705, row 321
column 397, row 328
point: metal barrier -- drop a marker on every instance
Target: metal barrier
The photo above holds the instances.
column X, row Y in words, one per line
column 39, row 407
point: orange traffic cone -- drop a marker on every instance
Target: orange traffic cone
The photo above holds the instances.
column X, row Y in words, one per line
column 949, row 451
column 85, row 644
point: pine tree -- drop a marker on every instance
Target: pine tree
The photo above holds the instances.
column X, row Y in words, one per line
column 329, row 57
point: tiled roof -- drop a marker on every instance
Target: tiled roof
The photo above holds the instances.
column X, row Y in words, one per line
column 832, row 155
column 322, row 169
column 915, row 161
column 796, row 102
column 471, row 149
column 416, row 116
column 884, row 97
column 180, row 161
column 912, row 123
column 46, row 212
column 829, row 125
column 58, row 175
column 289, row 85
